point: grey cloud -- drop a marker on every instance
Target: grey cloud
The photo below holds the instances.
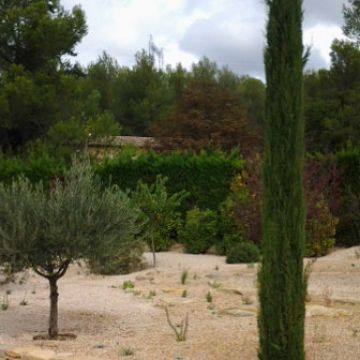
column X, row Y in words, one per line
column 237, row 40
column 323, row 11
column 241, row 52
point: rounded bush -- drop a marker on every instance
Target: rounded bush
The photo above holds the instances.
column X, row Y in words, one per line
column 224, row 245
column 200, row 231
column 244, row 252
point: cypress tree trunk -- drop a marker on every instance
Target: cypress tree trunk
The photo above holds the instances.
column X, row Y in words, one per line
column 282, row 284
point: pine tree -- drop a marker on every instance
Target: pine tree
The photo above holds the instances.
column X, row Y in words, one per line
column 282, row 283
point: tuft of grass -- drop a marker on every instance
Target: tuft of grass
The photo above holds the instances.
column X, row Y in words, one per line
column 209, row 297
column 247, row 300
column 327, row 293
column 184, row 294
column 126, row 352
column 33, row 292
column 152, row 293
column 128, row 285
column 214, row 284
column 5, row 303
column 23, row 302
column 184, row 277
column 8, row 292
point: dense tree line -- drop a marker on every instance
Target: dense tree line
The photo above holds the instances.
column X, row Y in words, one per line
column 332, row 96
column 44, row 95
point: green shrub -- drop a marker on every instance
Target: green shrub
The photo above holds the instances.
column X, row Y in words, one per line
column 200, row 231
column 119, row 261
column 225, row 245
column 244, row 252
column 227, row 227
column 320, row 230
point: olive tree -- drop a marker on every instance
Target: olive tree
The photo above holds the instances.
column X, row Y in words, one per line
column 47, row 229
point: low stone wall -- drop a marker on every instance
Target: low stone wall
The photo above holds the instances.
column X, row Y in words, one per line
column 35, row 353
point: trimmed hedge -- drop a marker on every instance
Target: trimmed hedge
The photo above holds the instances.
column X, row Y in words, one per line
column 348, row 230
column 42, row 168
column 206, row 176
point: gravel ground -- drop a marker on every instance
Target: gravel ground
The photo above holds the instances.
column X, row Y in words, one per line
column 109, row 320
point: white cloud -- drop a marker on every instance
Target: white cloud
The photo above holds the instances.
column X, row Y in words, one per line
column 230, row 32
column 320, row 38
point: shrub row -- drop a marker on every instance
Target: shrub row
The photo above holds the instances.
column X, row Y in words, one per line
column 212, row 181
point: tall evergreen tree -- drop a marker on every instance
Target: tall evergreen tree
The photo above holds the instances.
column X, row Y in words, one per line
column 282, row 283
column 351, row 27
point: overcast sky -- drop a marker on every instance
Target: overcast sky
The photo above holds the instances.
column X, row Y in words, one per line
column 230, row 32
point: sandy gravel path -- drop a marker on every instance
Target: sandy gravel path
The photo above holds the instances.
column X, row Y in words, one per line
column 109, row 320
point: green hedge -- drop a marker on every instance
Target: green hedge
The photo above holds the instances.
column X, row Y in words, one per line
column 348, row 230
column 349, row 164
column 206, row 176
column 42, row 168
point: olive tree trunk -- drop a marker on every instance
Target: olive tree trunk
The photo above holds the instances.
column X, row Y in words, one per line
column 53, row 278
column 53, row 331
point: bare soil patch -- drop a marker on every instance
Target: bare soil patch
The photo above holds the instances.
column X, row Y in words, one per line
column 109, row 321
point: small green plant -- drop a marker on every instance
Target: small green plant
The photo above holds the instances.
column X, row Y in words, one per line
column 127, row 352
column 184, row 294
column 8, row 292
column 327, row 294
column 24, row 302
column 357, row 254
column 247, row 300
column 128, row 284
column 5, row 303
column 244, row 252
column 184, row 276
column 214, row 284
column 209, row 297
column 152, row 293
column 179, row 330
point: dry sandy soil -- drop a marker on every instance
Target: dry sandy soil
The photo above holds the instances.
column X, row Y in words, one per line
column 108, row 320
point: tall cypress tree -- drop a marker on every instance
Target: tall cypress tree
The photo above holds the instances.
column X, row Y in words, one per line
column 281, row 279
